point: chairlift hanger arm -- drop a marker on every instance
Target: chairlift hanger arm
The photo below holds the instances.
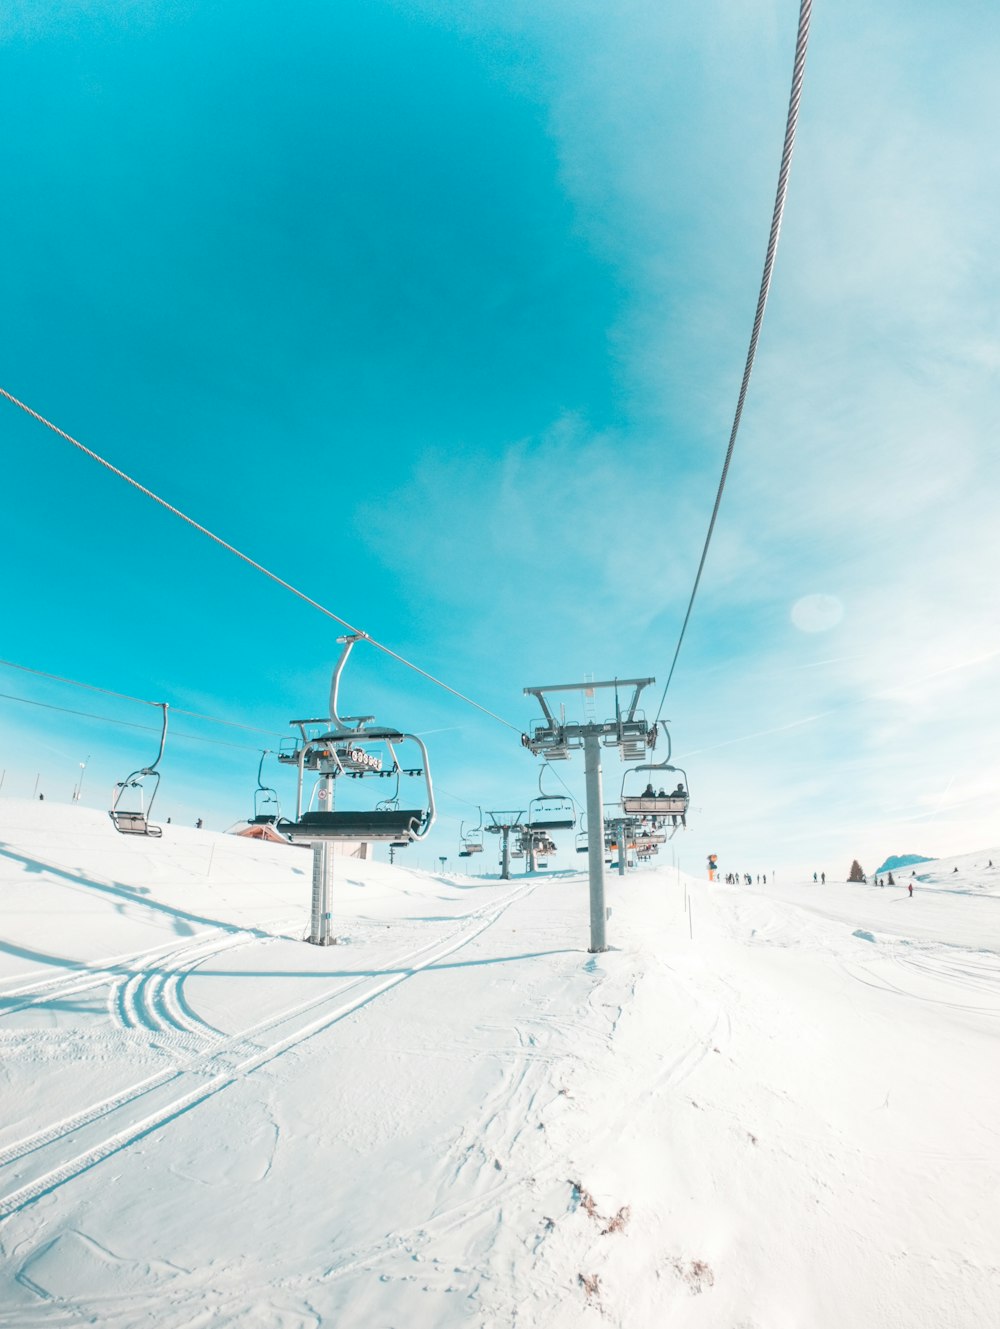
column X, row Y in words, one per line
column 148, row 770
column 348, row 645
column 431, row 809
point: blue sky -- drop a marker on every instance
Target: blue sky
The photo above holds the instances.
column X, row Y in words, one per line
column 439, row 311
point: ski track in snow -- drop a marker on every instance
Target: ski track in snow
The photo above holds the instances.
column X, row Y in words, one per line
column 153, row 997
column 583, row 1074
column 97, row 974
column 506, row 1116
column 226, row 1056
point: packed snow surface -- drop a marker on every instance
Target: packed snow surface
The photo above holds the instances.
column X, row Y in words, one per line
column 762, row 1108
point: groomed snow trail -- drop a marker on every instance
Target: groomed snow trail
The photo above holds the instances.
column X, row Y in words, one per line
column 758, row 1110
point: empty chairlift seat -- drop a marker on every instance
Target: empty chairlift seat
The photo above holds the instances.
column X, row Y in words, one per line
column 134, row 823
column 400, row 824
column 551, row 813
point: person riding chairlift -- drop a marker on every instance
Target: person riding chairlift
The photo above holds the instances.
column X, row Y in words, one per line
column 680, row 792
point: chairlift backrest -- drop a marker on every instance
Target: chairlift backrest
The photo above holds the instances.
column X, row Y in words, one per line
column 550, row 812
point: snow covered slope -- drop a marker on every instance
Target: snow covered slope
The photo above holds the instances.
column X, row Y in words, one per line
column 760, row 1109
column 896, row 861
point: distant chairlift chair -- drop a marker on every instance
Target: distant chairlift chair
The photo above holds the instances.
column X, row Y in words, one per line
column 266, row 808
column 135, row 821
column 472, row 841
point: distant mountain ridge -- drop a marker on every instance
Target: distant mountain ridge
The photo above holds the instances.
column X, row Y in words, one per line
column 902, row 861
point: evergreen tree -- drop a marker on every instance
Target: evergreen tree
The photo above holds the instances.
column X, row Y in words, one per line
column 856, row 872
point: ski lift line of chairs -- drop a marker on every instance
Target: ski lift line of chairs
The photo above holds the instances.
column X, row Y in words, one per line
column 532, row 841
column 135, row 821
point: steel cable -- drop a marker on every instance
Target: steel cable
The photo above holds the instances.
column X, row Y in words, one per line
column 142, row 701
column 124, row 724
column 273, row 576
column 798, row 69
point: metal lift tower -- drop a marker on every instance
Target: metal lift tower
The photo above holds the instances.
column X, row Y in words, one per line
column 554, row 739
column 502, row 823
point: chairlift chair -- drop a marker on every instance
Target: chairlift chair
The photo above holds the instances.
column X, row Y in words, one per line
column 472, row 841
column 550, row 812
column 135, row 821
column 350, row 746
column 653, row 837
column 387, row 822
column 266, row 807
column 672, row 806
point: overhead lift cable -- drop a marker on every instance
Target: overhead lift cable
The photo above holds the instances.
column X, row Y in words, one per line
column 273, row 576
column 142, row 701
column 798, row 69
column 124, row 724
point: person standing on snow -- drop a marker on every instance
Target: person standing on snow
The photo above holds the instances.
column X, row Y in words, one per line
column 910, row 885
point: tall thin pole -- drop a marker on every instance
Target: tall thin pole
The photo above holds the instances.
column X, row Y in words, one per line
column 595, row 842
column 321, row 927
column 622, row 850
column 505, row 854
